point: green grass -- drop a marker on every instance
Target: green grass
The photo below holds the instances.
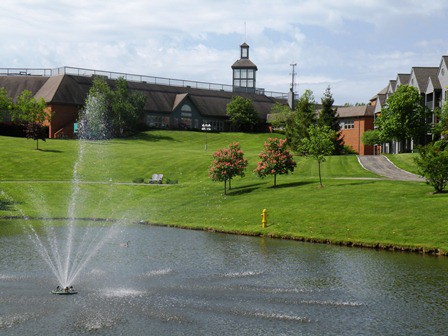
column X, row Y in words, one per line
column 404, row 161
column 349, row 209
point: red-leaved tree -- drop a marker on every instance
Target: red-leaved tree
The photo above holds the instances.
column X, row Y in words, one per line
column 275, row 159
column 228, row 163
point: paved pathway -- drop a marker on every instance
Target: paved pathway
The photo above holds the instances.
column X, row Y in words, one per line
column 381, row 165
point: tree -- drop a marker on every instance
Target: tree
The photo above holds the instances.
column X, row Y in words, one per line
column 303, row 117
column 228, row 163
column 5, row 101
column 280, row 115
column 275, row 159
column 94, row 121
column 328, row 117
column 109, row 113
column 242, row 113
column 319, row 144
column 441, row 127
column 404, row 117
column 28, row 109
column 371, row 137
column 432, row 164
column 36, row 132
column 126, row 108
column 31, row 112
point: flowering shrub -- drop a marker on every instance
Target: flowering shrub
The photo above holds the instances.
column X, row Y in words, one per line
column 275, row 159
column 228, row 163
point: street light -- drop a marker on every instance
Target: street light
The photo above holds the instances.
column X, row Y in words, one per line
column 206, row 127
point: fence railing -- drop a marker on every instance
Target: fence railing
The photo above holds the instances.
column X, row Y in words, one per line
column 66, row 70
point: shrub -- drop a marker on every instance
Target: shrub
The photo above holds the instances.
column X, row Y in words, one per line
column 432, row 164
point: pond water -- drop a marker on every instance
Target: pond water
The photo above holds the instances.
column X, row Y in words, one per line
column 178, row 282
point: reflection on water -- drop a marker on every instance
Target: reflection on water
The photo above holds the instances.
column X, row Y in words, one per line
column 177, row 282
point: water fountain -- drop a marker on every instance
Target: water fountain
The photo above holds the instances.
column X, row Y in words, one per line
column 67, row 251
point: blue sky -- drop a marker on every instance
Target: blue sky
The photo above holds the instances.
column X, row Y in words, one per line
column 354, row 46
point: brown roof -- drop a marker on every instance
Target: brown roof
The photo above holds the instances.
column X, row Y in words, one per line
column 73, row 90
column 355, row 111
column 244, row 63
column 15, row 85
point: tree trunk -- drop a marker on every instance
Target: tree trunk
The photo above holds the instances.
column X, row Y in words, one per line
column 225, row 187
column 320, row 176
column 37, row 144
column 275, row 180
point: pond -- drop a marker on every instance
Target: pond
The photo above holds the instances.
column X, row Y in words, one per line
column 178, row 282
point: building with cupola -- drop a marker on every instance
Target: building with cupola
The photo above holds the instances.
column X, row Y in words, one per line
column 244, row 71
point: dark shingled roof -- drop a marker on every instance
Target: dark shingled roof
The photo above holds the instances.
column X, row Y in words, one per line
column 403, row 78
column 73, row 90
column 421, row 74
column 15, row 85
column 355, row 111
column 244, row 63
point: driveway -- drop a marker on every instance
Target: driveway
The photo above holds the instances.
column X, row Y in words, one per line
column 381, row 165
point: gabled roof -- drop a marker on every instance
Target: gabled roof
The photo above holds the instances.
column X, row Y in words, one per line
column 392, row 86
column 432, row 84
column 15, row 85
column 73, row 90
column 419, row 77
column 179, row 99
column 244, row 63
column 383, row 92
column 355, row 111
column 403, row 79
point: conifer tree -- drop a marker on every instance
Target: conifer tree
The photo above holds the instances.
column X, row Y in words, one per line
column 303, row 117
column 328, row 116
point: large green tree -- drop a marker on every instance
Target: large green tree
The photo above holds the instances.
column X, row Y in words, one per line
column 242, row 113
column 28, row 109
column 319, row 144
column 126, row 108
column 404, row 117
column 303, row 117
column 328, row 116
column 110, row 112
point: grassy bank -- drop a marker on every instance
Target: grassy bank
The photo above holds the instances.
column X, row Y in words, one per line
column 352, row 209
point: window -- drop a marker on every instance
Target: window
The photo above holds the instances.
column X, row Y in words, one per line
column 347, row 124
column 250, row 73
column 243, row 73
column 236, row 73
column 186, row 108
column 244, row 52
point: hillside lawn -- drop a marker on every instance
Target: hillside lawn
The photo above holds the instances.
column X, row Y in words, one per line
column 355, row 207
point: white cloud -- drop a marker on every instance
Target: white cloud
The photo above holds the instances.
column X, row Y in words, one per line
column 351, row 44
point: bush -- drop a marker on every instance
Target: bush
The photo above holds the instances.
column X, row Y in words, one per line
column 432, row 164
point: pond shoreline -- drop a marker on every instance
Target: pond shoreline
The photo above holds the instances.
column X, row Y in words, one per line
column 357, row 244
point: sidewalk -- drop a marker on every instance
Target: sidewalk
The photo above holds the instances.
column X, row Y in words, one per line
column 381, row 165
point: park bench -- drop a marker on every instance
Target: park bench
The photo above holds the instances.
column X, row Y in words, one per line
column 156, row 178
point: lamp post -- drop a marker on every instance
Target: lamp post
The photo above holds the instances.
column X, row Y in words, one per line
column 206, row 127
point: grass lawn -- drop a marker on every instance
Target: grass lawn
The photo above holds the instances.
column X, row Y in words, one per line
column 405, row 161
column 352, row 208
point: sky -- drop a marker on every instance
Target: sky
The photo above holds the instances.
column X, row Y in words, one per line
column 353, row 46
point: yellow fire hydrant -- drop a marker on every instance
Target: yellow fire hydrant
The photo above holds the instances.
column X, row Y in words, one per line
column 264, row 218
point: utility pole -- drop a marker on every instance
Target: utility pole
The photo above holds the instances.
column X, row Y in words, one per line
column 291, row 96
